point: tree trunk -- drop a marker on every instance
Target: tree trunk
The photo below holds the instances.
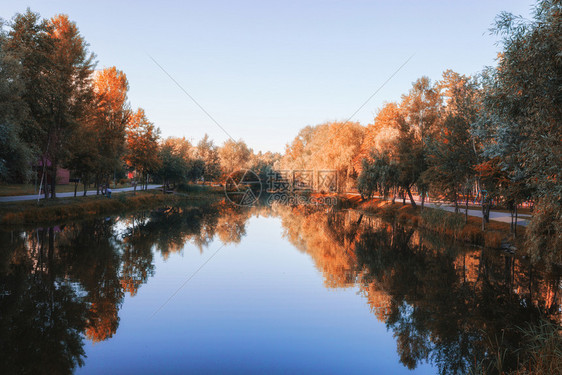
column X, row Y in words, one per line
column 456, row 201
column 466, row 211
column 515, row 227
column 483, row 216
column 85, row 188
column 422, row 200
column 411, row 197
column 75, row 188
column 487, row 212
column 53, row 181
column 512, row 214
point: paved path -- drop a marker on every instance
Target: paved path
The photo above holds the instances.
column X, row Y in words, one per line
column 17, row 198
column 504, row 217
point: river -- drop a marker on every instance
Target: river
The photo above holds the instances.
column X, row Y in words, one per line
column 224, row 289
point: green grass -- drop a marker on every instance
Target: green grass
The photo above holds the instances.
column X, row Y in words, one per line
column 197, row 188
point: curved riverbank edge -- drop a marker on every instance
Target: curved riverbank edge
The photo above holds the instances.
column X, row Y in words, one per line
column 66, row 209
column 449, row 224
column 497, row 234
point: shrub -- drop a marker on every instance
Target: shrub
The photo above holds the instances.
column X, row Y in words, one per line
column 493, row 239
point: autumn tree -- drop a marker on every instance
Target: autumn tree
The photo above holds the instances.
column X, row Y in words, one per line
column 98, row 147
column 298, row 152
column 142, row 145
column 264, row 163
column 330, row 146
column 451, row 153
column 234, row 155
column 72, row 67
column 381, row 135
column 208, row 152
column 419, row 120
column 110, row 121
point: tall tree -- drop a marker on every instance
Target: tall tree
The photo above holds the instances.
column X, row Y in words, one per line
column 142, row 145
column 110, row 119
column 72, row 70
column 523, row 113
column 419, row 122
column 30, row 48
column 451, row 153
column 16, row 155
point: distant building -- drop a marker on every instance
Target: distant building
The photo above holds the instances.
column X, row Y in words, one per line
column 63, row 175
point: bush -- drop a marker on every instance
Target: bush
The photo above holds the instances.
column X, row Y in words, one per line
column 493, row 239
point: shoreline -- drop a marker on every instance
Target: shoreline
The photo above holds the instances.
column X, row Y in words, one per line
column 452, row 225
column 66, row 209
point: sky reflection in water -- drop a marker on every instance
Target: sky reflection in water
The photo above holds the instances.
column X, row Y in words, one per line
column 290, row 291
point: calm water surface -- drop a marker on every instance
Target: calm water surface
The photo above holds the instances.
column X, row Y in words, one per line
column 261, row 290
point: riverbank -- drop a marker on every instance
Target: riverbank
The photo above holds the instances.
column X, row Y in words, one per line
column 70, row 208
column 450, row 224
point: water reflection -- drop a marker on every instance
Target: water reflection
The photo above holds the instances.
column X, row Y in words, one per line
column 457, row 308
column 450, row 306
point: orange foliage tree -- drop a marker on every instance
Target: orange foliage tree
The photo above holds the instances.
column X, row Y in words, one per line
column 142, row 144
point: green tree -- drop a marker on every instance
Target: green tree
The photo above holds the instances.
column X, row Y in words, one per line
column 56, row 68
column 174, row 166
column 378, row 173
column 16, row 155
column 72, row 91
column 451, row 154
column 28, row 48
column 522, row 115
column 419, row 121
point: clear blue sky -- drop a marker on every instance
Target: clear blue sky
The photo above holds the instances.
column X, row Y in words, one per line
column 266, row 69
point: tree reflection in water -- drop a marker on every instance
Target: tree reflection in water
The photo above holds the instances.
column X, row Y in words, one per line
column 455, row 307
column 448, row 305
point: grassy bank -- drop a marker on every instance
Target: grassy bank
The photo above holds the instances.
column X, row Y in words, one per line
column 64, row 209
column 439, row 221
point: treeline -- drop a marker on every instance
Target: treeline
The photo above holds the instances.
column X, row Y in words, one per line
column 493, row 137
column 58, row 111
